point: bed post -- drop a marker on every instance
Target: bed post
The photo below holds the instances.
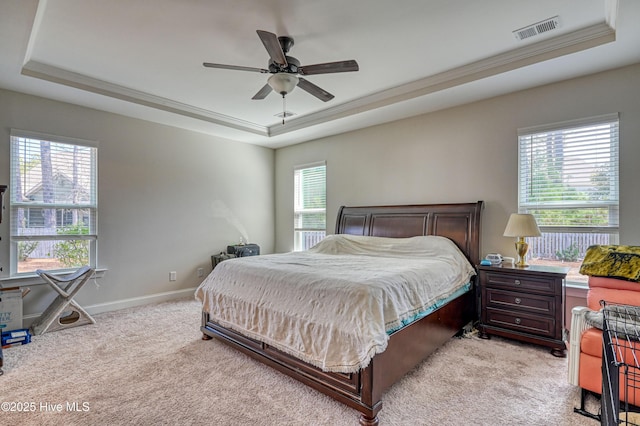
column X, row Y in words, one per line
column 205, row 317
column 370, row 396
column 368, row 421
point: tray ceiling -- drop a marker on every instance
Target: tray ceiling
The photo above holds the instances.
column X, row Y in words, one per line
column 144, row 58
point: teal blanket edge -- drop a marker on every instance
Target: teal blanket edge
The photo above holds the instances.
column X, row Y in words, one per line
column 440, row 302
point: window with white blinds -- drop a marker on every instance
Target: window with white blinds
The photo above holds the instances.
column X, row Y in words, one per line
column 53, row 202
column 568, row 179
column 310, row 205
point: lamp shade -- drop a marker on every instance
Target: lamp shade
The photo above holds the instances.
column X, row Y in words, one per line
column 521, row 225
column 283, row 83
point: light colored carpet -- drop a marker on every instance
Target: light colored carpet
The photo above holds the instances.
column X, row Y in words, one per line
column 149, row 366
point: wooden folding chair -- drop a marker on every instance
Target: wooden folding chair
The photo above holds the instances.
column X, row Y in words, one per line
column 67, row 287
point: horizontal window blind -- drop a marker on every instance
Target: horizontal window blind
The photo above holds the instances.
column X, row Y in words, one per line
column 310, row 213
column 53, row 198
column 569, row 175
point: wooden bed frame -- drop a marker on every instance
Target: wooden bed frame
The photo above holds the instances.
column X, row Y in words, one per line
column 408, row 346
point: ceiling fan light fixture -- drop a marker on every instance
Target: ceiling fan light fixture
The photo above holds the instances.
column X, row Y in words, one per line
column 283, row 83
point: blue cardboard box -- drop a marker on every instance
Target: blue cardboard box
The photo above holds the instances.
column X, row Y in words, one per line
column 15, row 338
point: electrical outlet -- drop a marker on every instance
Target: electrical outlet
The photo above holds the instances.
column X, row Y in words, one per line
column 200, row 272
column 172, row 276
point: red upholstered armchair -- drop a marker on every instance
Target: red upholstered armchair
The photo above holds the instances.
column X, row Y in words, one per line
column 585, row 343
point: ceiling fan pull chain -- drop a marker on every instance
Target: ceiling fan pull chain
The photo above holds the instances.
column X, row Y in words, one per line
column 284, row 108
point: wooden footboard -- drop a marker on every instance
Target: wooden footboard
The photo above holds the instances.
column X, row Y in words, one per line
column 363, row 390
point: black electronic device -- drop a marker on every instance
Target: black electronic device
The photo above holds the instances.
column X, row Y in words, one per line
column 217, row 258
column 244, row 250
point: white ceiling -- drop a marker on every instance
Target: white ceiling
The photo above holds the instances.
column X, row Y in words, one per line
column 143, row 58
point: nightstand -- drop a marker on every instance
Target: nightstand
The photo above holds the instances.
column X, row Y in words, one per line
column 524, row 303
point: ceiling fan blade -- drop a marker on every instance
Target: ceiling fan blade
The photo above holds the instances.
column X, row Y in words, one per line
column 316, row 91
column 271, row 43
column 262, row 93
column 234, row 67
column 329, row 67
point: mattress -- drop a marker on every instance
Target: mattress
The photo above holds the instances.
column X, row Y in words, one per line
column 334, row 306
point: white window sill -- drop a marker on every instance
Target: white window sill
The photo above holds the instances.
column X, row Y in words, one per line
column 33, row 279
column 576, row 289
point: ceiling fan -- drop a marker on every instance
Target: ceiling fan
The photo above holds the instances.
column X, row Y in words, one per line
column 285, row 69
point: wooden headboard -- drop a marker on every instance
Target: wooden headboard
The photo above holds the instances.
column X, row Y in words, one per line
column 458, row 222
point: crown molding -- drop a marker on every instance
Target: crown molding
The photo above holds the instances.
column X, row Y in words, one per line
column 573, row 42
column 101, row 87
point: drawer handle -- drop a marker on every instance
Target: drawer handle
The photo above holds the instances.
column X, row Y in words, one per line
column 518, row 300
column 518, row 321
column 516, row 282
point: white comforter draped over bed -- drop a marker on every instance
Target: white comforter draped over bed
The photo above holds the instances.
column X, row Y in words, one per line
column 333, row 305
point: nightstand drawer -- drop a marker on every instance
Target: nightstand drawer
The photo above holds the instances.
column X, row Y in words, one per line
column 521, row 281
column 503, row 299
column 526, row 323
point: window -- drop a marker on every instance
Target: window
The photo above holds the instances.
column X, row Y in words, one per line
column 310, row 205
column 568, row 179
column 53, row 202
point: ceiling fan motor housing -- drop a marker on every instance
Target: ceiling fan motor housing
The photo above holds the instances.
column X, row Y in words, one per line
column 286, row 43
column 292, row 66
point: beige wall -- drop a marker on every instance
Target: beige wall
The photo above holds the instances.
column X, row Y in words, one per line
column 464, row 154
column 167, row 198
column 149, row 224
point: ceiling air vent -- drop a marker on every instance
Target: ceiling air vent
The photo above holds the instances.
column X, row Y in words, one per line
column 537, row 28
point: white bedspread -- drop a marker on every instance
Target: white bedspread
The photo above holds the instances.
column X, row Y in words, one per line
column 333, row 305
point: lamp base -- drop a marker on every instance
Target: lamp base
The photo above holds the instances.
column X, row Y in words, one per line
column 521, row 248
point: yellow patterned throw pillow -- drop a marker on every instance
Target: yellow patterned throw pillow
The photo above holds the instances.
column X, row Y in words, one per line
column 613, row 261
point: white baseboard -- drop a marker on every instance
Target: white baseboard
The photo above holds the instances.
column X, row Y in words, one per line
column 27, row 320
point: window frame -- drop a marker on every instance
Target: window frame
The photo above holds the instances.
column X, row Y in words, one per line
column 60, row 208
column 609, row 232
column 298, row 230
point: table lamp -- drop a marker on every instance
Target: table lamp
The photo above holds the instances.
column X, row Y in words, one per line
column 520, row 226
